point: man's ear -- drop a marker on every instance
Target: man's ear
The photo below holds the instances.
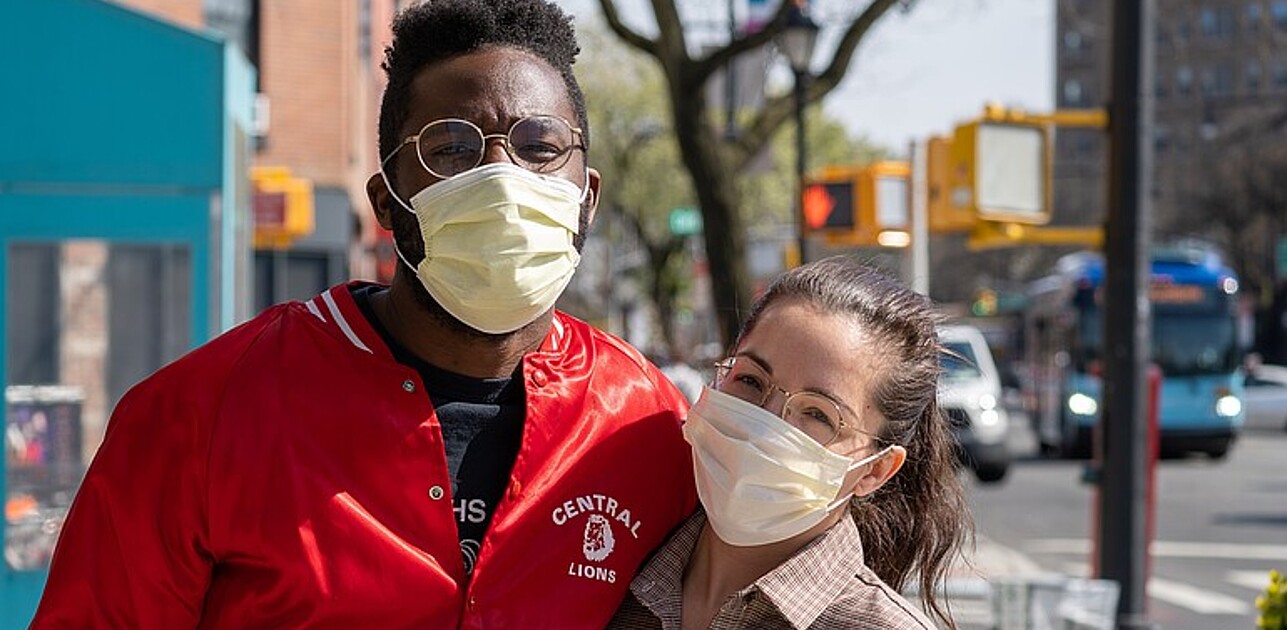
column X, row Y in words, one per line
column 592, row 204
column 378, row 193
column 875, row 474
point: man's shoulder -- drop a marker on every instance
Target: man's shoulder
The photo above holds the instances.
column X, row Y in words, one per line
column 612, row 353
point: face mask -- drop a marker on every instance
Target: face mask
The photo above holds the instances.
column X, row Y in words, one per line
column 760, row 479
column 498, row 244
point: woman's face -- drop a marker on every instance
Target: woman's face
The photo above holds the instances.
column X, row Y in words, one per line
column 802, row 348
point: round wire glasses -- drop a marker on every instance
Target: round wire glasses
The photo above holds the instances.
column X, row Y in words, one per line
column 817, row 415
column 451, row 146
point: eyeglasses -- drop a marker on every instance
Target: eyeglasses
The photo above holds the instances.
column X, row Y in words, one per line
column 451, row 146
column 817, row 415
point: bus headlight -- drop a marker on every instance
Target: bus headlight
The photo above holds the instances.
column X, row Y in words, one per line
column 1082, row 405
column 1228, row 406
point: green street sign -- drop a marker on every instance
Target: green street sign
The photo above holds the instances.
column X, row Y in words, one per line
column 685, row 221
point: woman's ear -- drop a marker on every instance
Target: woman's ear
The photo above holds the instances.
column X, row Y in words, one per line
column 874, row 475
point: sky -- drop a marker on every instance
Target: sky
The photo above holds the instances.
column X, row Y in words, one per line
column 924, row 72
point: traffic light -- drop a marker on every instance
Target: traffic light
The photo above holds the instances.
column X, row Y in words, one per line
column 829, row 202
column 999, row 168
column 985, row 303
column 282, row 207
column 859, row 206
column 941, row 177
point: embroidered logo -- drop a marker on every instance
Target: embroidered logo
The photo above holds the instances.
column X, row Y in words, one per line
column 603, row 514
column 599, row 541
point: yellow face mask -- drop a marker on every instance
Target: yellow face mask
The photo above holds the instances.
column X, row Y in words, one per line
column 499, row 244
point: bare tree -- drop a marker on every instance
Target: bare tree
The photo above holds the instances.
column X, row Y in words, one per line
column 713, row 164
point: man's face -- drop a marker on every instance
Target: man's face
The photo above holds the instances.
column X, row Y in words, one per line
column 491, row 88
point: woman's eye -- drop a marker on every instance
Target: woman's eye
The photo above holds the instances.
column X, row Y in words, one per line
column 749, row 380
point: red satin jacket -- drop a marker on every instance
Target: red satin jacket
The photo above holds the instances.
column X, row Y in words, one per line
column 291, row 474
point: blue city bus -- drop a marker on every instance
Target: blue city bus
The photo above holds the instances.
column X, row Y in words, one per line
column 1193, row 297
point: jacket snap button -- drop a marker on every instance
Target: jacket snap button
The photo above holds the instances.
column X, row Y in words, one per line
column 539, row 378
column 435, row 493
column 408, row 386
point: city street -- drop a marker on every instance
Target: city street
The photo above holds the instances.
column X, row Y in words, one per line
column 1221, row 525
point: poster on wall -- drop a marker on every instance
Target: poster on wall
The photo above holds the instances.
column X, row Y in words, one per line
column 44, row 465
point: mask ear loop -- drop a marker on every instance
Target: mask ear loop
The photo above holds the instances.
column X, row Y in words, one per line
column 858, row 464
column 392, row 193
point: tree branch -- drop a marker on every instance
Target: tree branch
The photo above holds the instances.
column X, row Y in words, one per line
column 777, row 110
column 719, row 57
column 625, row 32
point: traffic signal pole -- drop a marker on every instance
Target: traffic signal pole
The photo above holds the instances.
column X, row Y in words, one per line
column 1123, row 521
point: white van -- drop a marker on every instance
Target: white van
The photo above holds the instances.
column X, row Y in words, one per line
column 969, row 393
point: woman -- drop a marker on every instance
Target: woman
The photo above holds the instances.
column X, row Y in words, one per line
column 824, row 468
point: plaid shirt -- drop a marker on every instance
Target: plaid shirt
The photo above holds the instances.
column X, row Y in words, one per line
column 823, row 586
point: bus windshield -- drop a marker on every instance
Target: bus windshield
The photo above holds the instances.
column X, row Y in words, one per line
column 1184, row 344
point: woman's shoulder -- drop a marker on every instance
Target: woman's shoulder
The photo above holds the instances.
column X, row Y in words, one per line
column 868, row 602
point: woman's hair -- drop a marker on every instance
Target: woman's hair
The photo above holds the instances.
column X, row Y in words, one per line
column 919, row 520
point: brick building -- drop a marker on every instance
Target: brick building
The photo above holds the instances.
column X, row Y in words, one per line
column 320, row 83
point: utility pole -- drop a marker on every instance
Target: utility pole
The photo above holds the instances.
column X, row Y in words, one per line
column 1123, row 552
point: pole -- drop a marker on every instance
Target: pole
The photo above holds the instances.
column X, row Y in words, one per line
column 730, row 81
column 801, row 149
column 918, row 191
column 1123, row 520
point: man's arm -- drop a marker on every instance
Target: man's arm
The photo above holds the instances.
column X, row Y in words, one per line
column 133, row 552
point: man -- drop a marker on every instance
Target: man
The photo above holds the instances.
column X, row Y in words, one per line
column 444, row 452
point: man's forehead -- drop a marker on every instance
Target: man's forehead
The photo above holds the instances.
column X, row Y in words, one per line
column 491, row 85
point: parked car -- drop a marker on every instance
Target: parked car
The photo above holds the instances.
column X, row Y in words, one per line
column 970, row 394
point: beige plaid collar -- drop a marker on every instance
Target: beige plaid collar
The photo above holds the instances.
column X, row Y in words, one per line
column 800, row 588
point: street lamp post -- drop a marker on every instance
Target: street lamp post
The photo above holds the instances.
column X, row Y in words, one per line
column 796, row 42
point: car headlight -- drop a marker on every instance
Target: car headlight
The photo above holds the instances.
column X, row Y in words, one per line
column 1228, row 406
column 987, row 401
column 1082, row 405
column 989, row 417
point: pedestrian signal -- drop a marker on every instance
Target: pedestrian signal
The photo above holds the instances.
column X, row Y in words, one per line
column 829, row 206
column 999, row 167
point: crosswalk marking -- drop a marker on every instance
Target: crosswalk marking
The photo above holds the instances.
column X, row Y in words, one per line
column 1196, row 599
column 1199, row 600
column 1168, row 549
column 1255, row 580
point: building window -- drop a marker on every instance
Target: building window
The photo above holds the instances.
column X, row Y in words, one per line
column 1208, row 82
column 1073, row 93
column 1161, row 138
column 1254, row 16
column 1278, row 11
column 1159, row 86
column 1252, row 76
column 1280, row 74
column 1183, row 81
column 1074, row 44
column 1216, row 23
column 1224, row 79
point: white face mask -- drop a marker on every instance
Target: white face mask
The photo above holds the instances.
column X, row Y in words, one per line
column 499, row 244
column 760, row 479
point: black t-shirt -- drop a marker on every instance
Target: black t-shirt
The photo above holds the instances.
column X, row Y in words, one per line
column 482, row 426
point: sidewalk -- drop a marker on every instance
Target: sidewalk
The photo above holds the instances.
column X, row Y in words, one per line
column 968, row 590
column 969, row 584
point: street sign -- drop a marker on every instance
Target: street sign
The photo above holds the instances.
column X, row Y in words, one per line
column 1282, row 257
column 685, row 221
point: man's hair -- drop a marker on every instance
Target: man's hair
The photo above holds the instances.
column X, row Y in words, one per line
column 435, row 30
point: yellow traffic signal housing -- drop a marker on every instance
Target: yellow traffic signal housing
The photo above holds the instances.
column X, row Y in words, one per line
column 282, row 207
column 859, row 206
column 999, row 168
column 945, row 216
